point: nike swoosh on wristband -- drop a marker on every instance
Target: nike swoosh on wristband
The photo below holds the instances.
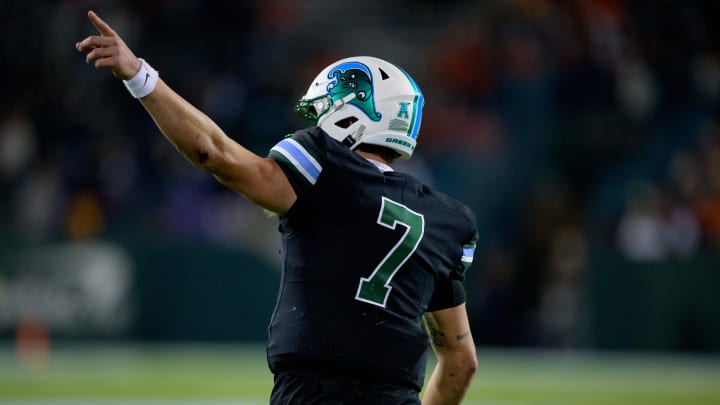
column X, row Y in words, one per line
column 147, row 76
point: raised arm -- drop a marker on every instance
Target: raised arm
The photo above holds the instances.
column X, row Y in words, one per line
column 449, row 332
column 193, row 133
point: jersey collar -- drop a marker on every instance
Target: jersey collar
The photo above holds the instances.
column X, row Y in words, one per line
column 380, row 165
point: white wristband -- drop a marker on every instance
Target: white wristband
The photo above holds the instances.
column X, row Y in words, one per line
column 144, row 81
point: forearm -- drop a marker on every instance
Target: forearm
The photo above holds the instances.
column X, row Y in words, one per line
column 447, row 385
column 449, row 333
column 192, row 132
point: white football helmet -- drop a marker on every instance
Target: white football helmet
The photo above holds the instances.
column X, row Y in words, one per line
column 365, row 100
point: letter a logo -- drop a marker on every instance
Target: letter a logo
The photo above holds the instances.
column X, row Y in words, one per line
column 403, row 113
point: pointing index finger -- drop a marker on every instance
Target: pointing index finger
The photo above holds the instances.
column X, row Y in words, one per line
column 100, row 25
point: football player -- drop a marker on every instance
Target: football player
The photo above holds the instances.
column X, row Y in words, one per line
column 373, row 259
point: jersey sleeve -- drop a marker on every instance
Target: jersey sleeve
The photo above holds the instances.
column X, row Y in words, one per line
column 301, row 156
column 449, row 290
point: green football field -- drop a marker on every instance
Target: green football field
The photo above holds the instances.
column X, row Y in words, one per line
column 220, row 375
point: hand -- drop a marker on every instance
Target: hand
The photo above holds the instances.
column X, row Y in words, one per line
column 109, row 50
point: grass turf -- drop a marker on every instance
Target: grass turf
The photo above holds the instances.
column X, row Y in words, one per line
column 239, row 373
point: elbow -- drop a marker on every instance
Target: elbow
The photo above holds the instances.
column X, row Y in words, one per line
column 198, row 152
column 468, row 367
column 471, row 366
column 466, row 359
column 201, row 158
column 465, row 368
column 460, row 368
column 465, row 373
column 471, row 359
column 459, row 375
column 205, row 151
column 209, row 156
column 214, row 161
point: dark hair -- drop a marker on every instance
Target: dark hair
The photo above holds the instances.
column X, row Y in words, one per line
column 386, row 154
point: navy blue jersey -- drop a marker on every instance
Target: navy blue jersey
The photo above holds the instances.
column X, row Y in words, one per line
column 365, row 253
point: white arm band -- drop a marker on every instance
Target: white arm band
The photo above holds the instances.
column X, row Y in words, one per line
column 144, row 81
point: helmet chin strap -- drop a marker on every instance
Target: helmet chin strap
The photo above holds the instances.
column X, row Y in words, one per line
column 353, row 140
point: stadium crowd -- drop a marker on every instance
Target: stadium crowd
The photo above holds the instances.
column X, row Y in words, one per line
column 563, row 124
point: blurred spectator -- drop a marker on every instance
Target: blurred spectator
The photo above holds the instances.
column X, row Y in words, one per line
column 708, row 205
column 562, row 308
column 655, row 226
column 640, row 231
column 18, row 143
column 38, row 204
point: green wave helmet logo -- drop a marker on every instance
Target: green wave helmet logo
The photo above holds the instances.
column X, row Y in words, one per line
column 354, row 77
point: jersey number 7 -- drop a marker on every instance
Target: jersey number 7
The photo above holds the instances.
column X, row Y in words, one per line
column 375, row 289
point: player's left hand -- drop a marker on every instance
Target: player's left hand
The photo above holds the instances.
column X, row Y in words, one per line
column 108, row 50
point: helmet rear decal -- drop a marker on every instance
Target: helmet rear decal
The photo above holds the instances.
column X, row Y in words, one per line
column 418, row 102
column 354, row 78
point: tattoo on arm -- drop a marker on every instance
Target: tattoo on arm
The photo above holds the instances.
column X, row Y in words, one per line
column 436, row 335
column 463, row 335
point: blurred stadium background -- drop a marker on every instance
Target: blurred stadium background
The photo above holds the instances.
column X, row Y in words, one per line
column 584, row 133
